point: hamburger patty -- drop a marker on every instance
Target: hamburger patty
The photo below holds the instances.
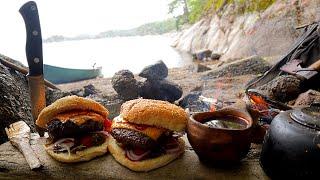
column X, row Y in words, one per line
column 58, row 129
column 133, row 138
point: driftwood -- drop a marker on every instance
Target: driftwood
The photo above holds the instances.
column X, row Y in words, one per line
column 13, row 165
column 25, row 72
column 19, row 135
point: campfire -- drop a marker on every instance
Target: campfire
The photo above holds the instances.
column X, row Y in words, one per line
column 266, row 107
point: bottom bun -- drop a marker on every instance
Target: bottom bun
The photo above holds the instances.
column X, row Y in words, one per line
column 145, row 165
column 84, row 155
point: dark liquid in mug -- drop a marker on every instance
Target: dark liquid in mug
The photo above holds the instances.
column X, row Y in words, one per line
column 226, row 123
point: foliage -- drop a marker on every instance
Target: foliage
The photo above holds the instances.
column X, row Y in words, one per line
column 200, row 8
column 159, row 27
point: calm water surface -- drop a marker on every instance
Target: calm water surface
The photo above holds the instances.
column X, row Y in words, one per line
column 114, row 54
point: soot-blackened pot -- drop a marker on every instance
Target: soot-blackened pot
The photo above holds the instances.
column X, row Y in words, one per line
column 291, row 147
column 220, row 146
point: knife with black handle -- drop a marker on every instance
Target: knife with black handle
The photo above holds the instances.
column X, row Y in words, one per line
column 29, row 12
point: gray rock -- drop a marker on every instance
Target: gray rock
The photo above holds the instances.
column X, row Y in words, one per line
column 53, row 94
column 202, row 68
column 202, row 55
column 160, row 90
column 14, row 99
column 85, row 91
column 283, row 88
column 193, row 103
column 78, row 92
column 215, row 56
column 124, row 83
column 156, row 71
column 308, row 98
column 113, row 105
column 251, row 65
column 89, row 90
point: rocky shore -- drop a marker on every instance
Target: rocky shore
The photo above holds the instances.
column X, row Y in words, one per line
column 270, row 32
column 224, row 81
column 212, row 79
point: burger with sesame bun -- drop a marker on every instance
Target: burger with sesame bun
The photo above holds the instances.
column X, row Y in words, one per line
column 147, row 134
column 77, row 129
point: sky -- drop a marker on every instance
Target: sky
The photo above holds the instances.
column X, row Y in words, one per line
column 75, row 17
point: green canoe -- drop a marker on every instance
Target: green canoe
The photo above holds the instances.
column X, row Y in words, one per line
column 59, row 75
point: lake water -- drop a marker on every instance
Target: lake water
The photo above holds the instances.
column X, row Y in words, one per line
column 114, row 54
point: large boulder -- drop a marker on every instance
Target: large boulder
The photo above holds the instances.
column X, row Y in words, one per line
column 14, row 99
column 124, row 83
column 156, row 71
column 160, row 90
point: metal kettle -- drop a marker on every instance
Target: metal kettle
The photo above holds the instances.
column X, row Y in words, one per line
column 291, row 146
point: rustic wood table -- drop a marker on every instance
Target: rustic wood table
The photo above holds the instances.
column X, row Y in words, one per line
column 14, row 166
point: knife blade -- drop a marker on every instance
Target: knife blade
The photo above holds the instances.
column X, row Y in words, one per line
column 29, row 12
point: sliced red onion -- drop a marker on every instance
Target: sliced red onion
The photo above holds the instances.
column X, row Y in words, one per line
column 172, row 146
column 70, row 141
column 63, row 144
column 135, row 157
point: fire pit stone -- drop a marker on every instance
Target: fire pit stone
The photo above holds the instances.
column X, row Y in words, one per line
column 124, row 83
column 307, row 98
column 156, row 71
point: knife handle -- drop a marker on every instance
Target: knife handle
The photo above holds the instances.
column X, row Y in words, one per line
column 29, row 12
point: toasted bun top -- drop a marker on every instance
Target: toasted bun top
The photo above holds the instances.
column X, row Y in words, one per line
column 69, row 104
column 154, row 113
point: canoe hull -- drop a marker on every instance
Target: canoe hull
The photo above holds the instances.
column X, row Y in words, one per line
column 59, row 75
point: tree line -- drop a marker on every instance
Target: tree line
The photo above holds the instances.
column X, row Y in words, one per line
column 190, row 11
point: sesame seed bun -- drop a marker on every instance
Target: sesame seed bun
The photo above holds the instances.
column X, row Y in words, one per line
column 154, row 113
column 84, row 155
column 71, row 104
column 145, row 165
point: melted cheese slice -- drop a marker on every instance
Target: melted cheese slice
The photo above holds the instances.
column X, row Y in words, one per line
column 79, row 117
column 151, row 131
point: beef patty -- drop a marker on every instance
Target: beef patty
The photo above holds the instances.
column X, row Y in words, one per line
column 58, row 129
column 133, row 139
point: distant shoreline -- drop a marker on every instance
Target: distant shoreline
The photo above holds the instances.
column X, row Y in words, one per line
column 80, row 39
column 154, row 28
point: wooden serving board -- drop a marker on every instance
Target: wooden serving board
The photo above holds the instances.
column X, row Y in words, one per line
column 13, row 165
